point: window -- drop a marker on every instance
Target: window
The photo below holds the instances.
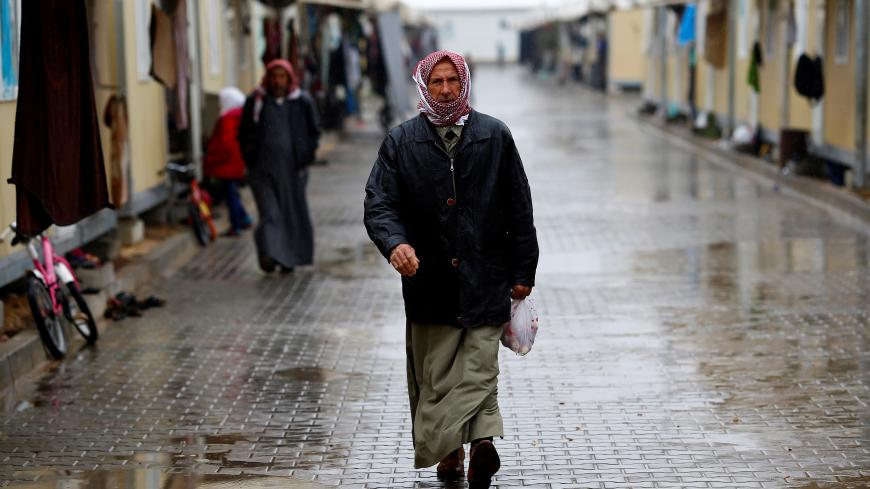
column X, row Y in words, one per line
column 841, row 31
column 10, row 29
column 770, row 30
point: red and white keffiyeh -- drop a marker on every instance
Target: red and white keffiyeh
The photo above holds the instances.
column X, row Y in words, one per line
column 293, row 91
column 443, row 113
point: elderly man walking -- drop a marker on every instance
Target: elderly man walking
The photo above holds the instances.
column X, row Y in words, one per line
column 278, row 136
column 449, row 205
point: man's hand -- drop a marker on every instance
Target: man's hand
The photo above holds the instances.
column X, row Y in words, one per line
column 404, row 260
column 519, row 292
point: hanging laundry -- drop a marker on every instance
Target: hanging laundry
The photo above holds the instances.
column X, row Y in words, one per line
column 755, row 63
column 716, row 39
column 57, row 159
column 809, row 77
column 758, row 53
column 115, row 117
column 272, row 34
column 163, row 63
column 376, row 66
column 337, row 76
column 353, row 75
column 8, row 52
column 330, row 40
column 352, row 69
column 293, row 48
column 686, row 33
column 182, row 63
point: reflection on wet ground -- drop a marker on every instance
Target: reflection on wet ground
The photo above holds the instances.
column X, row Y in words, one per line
column 699, row 329
column 158, row 478
column 842, row 483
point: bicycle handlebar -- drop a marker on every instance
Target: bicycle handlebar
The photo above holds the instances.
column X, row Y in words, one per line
column 179, row 167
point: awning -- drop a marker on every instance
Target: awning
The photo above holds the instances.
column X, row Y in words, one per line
column 568, row 13
column 409, row 16
column 350, row 4
column 635, row 4
column 277, row 3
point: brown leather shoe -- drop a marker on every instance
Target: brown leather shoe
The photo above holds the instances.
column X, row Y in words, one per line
column 482, row 465
column 452, row 466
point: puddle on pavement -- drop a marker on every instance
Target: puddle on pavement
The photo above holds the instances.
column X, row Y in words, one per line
column 154, row 478
column 741, row 442
column 219, row 439
column 440, row 485
column 349, row 262
column 843, row 482
column 216, row 449
column 313, row 374
column 45, row 390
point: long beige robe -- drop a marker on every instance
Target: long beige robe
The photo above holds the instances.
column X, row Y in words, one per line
column 453, row 388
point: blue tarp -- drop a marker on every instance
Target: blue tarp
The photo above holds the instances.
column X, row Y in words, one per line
column 8, row 50
column 686, row 33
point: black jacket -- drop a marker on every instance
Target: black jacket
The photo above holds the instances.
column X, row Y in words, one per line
column 305, row 120
column 475, row 238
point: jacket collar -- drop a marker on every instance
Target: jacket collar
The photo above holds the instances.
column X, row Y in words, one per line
column 425, row 131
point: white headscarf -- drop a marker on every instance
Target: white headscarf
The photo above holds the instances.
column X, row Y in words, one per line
column 231, row 98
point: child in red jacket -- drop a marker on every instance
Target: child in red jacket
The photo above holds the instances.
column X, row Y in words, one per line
column 223, row 158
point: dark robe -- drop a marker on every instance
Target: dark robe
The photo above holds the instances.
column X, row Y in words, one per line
column 278, row 148
column 57, row 160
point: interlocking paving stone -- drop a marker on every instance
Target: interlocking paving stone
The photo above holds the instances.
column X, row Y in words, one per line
column 698, row 330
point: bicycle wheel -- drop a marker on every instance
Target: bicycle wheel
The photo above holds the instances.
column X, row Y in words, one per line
column 79, row 314
column 200, row 229
column 50, row 326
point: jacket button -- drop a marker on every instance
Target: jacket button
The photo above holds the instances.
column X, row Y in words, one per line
column 455, row 262
column 451, row 201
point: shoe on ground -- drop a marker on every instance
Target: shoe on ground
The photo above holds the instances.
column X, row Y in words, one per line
column 452, row 467
column 231, row 233
column 267, row 264
column 286, row 270
column 151, row 302
column 483, row 463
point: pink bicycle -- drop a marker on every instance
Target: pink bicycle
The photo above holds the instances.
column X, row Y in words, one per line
column 50, row 304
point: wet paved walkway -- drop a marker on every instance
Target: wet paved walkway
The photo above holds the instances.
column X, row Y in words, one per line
column 698, row 330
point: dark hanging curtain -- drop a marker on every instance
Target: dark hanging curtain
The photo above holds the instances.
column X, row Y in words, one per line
column 57, row 160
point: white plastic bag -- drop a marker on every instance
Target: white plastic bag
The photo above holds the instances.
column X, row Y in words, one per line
column 518, row 334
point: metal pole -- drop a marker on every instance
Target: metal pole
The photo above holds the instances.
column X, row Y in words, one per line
column 303, row 45
column 785, row 68
column 648, row 91
column 663, row 61
column 121, row 60
column 709, row 72
column 195, row 89
column 819, row 110
column 862, row 37
column 733, row 10
column 755, row 26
